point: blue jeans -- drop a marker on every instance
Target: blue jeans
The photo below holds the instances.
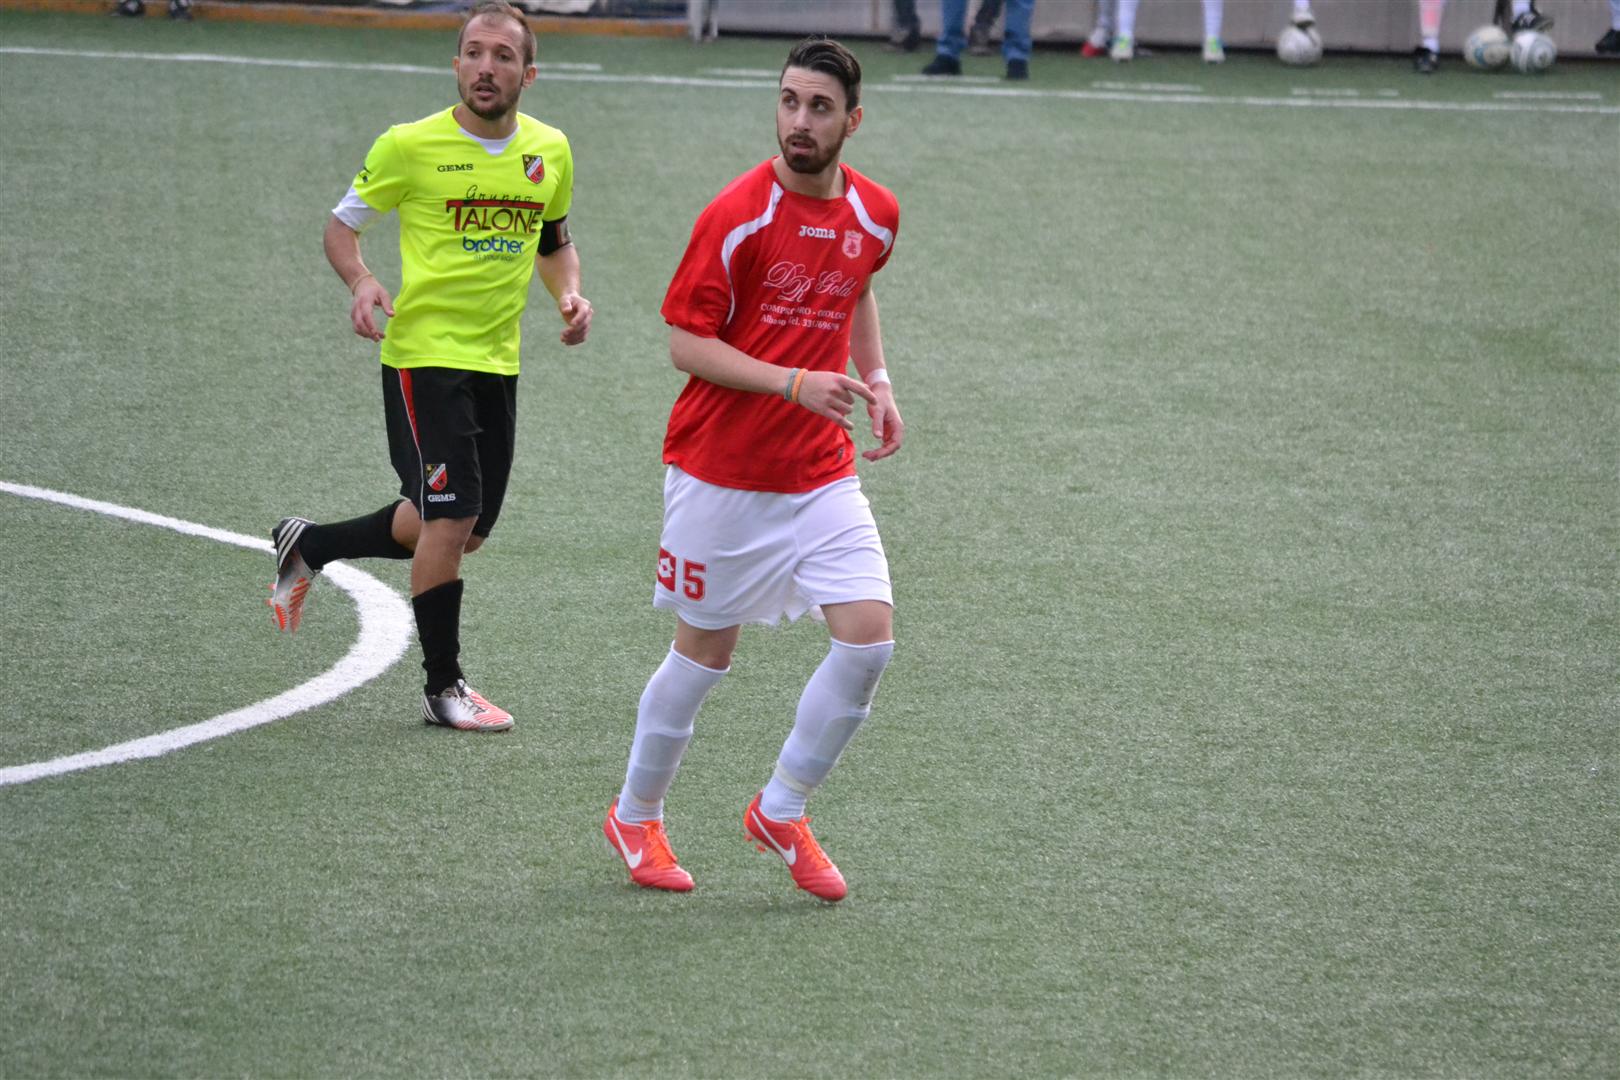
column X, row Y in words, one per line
column 953, row 29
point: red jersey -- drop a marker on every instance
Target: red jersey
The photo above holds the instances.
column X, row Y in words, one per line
column 777, row 276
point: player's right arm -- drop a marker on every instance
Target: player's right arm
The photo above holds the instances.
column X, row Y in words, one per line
column 343, row 252
column 825, row 393
column 378, row 187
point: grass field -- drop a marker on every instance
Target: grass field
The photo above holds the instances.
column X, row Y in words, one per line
column 1255, row 546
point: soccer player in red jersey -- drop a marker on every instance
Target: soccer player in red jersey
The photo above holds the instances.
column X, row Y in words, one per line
column 763, row 512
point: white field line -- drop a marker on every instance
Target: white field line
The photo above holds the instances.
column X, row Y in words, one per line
column 901, row 84
column 1324, row 91
column 1149, row 87
column 385, row 632
column 1545, row 95
column 924, row 80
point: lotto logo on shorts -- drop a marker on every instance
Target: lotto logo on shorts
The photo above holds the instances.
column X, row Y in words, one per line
column 438, row 476
column 689, row 575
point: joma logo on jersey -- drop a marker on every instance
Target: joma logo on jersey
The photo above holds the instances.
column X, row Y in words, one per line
column 796, row 284
column 817, row 232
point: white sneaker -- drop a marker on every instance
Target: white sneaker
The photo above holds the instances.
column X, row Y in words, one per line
column 465, row 709
column 1214, row 51
column 1122, row 49
column 293, row 575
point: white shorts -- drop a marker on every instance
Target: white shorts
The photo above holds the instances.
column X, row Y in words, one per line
column 730, row 557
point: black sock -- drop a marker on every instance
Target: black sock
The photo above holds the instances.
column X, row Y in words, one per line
column 370, row 536
column 438, row 624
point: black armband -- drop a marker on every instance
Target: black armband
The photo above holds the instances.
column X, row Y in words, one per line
column 554, row 236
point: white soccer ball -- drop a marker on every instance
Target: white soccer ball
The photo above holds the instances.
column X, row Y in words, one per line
column 1486, row 47
column 1299, row 46
column 1533, row 52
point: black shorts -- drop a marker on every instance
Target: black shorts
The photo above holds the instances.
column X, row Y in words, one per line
column 450, row 435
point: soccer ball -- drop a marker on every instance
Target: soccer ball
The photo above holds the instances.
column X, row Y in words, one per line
column 1299, row 46
column 1533, row 51
column 1486, row 47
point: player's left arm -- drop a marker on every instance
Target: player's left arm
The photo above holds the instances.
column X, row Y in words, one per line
column 557, row 262
column 866, row 351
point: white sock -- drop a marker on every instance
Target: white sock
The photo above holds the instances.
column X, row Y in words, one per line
column 664, row 719
column 1614, row 14
column 835, row 701
column 1212, row 18
column 1520, row 7
column 1301, row 6
column 1127, row 18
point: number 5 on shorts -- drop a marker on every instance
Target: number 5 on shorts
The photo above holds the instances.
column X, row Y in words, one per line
column 691, row 574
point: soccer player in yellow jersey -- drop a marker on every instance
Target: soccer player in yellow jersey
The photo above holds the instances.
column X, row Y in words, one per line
column 482, row 192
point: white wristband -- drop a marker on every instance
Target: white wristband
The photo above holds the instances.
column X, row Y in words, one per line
column 877, row 378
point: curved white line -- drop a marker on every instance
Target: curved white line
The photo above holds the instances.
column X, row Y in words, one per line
column 385, row 633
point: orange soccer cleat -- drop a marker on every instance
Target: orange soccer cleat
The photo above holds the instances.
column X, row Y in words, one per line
column 646, row 851
column 811, row 869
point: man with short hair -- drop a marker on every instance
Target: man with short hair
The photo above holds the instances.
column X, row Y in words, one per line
column 483, row 193
column 763, row 512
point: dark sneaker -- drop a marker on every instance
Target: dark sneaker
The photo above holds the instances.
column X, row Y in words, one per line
column 129, row 8
column 1609, row 44
column 465, row 709
column 943, row 65
column 903, row 39
column 1532, row 20
column 180, row 10
column 1017, row 70
column 979, row 41
column 293, row 575
column 1424, row 61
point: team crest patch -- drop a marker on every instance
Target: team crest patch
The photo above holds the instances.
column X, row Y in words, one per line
column 852, row 243
column 534, row 167
column 438, row 476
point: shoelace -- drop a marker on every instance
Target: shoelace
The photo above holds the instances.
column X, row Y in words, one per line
column 656, row 846
column 808, row 848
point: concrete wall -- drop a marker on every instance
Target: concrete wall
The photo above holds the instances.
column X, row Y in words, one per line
column 1369, row 25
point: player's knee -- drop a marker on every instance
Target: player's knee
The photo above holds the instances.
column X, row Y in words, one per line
column 474, row 542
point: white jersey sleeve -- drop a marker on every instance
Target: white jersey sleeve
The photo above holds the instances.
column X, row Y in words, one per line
column 354, row 212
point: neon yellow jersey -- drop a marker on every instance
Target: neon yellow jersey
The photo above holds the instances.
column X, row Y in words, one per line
column 469, row 227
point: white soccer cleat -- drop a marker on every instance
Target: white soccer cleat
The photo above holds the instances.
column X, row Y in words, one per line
column 293, row 575
column 465, row 709
column 1214, row 51
column 1122, row 49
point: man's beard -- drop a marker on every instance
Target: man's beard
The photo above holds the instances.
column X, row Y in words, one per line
column 813, row 163
column 495, row 111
